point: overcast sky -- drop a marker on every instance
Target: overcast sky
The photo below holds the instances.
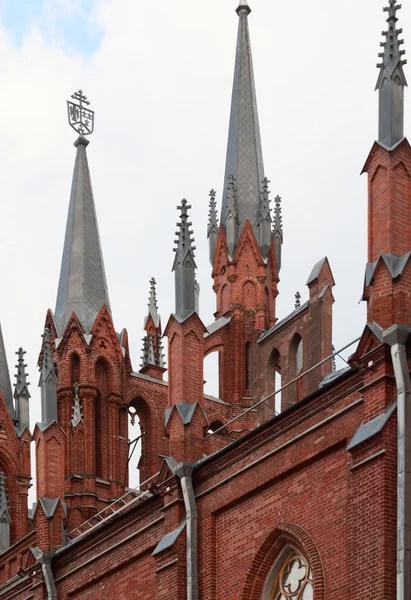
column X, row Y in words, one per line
column 159, row 76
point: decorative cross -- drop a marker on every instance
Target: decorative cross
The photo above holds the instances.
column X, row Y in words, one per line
column 81, row 119
column 297, row 300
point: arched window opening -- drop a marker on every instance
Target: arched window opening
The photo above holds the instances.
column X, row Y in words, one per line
column 273, row 382
column 138, row 468
column 248, row 366
column 296, row 359
column 75, row 369
column 5, row 520
column 100, row 409
column 291, row 578
column 215, row 426
column 212, row 374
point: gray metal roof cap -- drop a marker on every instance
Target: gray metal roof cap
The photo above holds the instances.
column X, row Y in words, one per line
column 83, row 286
column 316, row 270
column 244, row 160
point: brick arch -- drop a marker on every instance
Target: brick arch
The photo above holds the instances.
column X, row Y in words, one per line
column 109, row 368
column 286, row 534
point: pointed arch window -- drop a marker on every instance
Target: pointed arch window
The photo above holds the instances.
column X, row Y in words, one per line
column 5, row 521
column 291, row 578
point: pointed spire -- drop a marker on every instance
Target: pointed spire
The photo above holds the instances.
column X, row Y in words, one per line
column 184, row 265
column 5, row 520
column 278, row 232
column 5, row 384
column 212, row 229
column 391, row 81
column 152, row 304
column 82, row 286
column 264, row 219
column 244, row 159
column 48, row 382
column 21, row 392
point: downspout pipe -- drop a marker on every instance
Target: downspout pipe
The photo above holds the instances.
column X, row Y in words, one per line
column 184, row 471
column 44, row 559
column 396, row 336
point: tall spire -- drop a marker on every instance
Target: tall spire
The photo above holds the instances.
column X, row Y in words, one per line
column 212, row 229
column 391, row 81
column 5, row 384
column 184, row 265
column 48, row 382
column 82, row 286
column 244, row 152
column 21, row 392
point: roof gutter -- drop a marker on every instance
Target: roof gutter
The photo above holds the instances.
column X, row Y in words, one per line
column 397, row 336
column 44, row 559
column 185, row 473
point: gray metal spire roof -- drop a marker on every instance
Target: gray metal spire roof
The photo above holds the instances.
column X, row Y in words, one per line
column 391, row 81
column 21, row 392
column 244, row 152
column 184, row 265
column 264, row 219
column 82, row 286
column 5, row 384
column 152, row 304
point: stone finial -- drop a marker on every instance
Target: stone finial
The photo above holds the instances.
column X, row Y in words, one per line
column 297, row 304
column 278, row 232
column 184, row 265
column 391, row 81
column 264, row 219
column 21, row 392
column 48, row 382
column 231, row 222
column 212, row 229
column 77, row 412
column 152, row 304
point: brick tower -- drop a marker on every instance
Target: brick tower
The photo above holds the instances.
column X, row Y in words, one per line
column 245, row 252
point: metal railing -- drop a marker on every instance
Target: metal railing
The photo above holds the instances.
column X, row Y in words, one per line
column 273, row 394
column 131, row 497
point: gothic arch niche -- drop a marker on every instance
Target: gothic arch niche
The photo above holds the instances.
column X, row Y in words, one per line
column 139, row 442
column 5, row 510
column 279, row 547
column 224, row 299
column 75, row 368
column 100, row 417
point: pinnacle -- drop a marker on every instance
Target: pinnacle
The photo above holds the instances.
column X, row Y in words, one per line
column 152, row 304
column 278, row 218
column 184, row 235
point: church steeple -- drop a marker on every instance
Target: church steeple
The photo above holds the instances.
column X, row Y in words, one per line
column 5, row 384
column 391, row 81
column 244, row 161
column 82, row 287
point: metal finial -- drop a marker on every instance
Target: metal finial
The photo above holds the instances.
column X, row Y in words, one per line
column 80, row 118
column 243, row 6
column 297, row 301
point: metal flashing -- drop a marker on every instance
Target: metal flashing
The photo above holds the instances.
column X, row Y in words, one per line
column 376, row 425
column 316, row 270
column 217, row 325
column 286, row 319
column 332, row 377
column 186, row 410
column 170, row 539
column 394, row 263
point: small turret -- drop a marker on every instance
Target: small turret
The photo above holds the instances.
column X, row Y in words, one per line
column 152, row 342
column 264, row 219
column 391, row 82
column 184, row 265
column 21, row 392
column 212, row 229
column 48, row 382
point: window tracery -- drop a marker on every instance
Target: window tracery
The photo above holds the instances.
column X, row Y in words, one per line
column 294, row 579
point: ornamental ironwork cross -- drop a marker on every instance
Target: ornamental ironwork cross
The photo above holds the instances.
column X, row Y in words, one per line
column 80, row 118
